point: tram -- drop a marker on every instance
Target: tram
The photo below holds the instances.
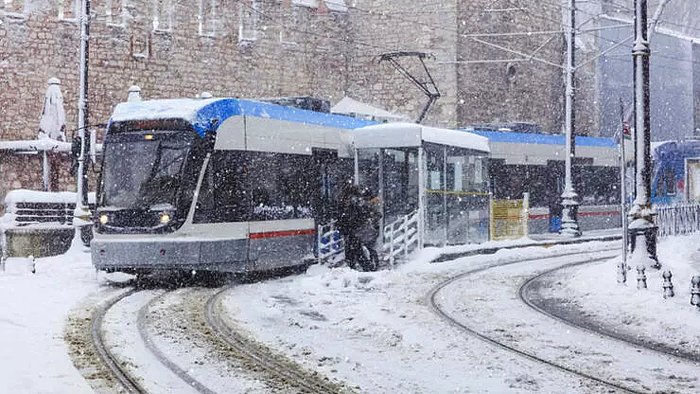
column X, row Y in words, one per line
column 216, row 184
column 676, row 172
column 533, row 162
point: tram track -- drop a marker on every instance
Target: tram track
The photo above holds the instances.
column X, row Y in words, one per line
column 110, row 361
column 635, row 341
column 263, row 358
column 141, row 320
column 432, row 301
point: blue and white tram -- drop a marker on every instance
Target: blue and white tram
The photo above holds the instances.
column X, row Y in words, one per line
column 676, row 172
column 216, row 184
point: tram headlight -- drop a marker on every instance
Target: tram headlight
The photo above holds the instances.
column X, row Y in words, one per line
column 165, row 218
column 104, row 218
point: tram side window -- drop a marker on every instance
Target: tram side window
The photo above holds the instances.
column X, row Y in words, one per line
column 282, row 186
column 223, row 195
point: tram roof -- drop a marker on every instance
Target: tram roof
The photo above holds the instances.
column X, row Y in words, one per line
column 200, row 112
column 394, row 135
column 538, row 138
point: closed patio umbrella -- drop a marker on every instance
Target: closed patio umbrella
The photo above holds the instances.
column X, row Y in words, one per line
column 52, row 124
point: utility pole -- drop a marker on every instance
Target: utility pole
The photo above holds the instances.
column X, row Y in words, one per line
column 641, row 215
column 569, row 198
column 81, row 214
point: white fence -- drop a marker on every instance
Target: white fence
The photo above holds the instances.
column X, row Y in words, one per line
column 400, row 237
column 329, row 242
column 678, row 219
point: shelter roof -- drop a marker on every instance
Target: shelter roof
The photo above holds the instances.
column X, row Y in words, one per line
column 412, row 134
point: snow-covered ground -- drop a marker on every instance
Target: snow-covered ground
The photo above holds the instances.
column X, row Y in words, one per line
column 33, row 310
column 376, row 330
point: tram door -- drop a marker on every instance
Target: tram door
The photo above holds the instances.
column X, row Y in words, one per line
column 326, row 178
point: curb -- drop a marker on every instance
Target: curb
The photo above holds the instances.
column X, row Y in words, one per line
column 545, row 244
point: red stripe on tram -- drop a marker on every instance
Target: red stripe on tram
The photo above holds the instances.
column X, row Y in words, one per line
column 287, row 233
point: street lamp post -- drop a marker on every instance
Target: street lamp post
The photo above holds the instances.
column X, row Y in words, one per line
column 569, row 198
column 641, row 215
column 81, row 215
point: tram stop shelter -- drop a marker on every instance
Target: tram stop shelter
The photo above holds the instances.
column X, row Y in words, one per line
column 439, row 174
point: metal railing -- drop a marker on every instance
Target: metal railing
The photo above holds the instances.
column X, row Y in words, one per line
column 400, row 237
column 678, row 219
column 329, row 243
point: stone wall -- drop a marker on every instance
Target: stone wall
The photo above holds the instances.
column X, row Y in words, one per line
column 284, row 50
column 380, row 26
column 248, row 48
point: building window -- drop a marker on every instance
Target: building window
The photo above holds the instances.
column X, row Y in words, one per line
column 162, row 15
column 289, row 27
column 13, row 7
column 207, row 18
column 248, row 11
column 115, row 12
column 68, row 10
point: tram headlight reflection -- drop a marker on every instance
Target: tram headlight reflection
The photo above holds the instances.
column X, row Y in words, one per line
column 164, row 218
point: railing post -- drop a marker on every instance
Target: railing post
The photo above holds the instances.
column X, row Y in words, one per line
column 405, row 236
column 319, row 237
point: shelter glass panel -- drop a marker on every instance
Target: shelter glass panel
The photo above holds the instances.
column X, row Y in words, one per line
column 400, row 183
column 368, row 165
column 466, row 196
column 435, row 209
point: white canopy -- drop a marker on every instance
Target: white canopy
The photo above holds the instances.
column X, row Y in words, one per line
column 395, row 135
column 348, row 106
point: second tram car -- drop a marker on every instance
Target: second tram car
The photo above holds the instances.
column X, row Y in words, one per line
column 533, row 162
column 216, row 184
column 676, row 172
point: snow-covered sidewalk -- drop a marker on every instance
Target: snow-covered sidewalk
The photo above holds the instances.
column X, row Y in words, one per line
column 33, row 310
column 592, row 292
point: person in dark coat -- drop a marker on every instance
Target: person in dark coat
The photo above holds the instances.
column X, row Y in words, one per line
column 358, row 222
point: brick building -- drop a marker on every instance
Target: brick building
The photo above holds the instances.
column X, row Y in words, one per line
column 256, row 48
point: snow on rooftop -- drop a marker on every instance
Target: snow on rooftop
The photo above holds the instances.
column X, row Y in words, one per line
column 403, row 134
column 349, row 106
column 159, row 109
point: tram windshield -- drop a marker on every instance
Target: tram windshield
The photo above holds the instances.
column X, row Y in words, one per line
column 143, row 171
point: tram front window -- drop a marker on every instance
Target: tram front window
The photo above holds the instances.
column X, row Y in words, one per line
column 143, row 171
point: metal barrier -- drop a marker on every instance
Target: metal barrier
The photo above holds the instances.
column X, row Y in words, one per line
column 678, row 219
column 400, row 237
column 509, row 218
column 39, row 223
column 329, row 244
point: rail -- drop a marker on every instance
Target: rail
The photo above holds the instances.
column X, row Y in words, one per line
column 678, row 219
column 400, row 237
column 329, row 243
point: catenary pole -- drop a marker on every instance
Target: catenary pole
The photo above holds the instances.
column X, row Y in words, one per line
column 81, row 213
column 641, row 215
column 569, row 202
column 624, row 127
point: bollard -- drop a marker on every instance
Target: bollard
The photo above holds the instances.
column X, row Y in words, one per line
column 621, row 272
column 668, row 285
column 641, row 277
column 695, row 291
column 33, row 260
